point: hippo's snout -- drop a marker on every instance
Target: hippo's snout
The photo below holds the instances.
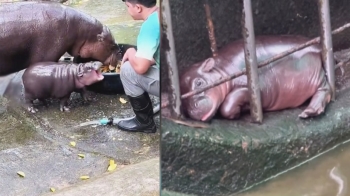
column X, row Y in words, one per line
column 92, row 72
column 97, row 65
column 201, row 108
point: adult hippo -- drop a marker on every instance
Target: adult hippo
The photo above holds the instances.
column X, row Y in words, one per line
column 34, row 32
column 285, row 83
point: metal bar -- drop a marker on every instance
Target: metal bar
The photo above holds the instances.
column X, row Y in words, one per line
column 251, row 62
column 175, row 98
column 262, row 64
column 326, row 42
column 210, row 28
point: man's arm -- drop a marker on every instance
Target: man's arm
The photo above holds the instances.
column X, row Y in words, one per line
column 147, row 45
column 140, row 65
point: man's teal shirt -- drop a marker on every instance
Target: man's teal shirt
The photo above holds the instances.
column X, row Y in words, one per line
column 149, row 38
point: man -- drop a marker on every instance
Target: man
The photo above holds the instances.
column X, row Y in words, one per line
column 140, row 69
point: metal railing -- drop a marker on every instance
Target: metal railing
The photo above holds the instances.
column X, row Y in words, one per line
column 174, row 95
column 250, row 56
column 251, row 61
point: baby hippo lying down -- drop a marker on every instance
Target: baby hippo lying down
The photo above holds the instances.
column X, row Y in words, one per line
column 58, row 80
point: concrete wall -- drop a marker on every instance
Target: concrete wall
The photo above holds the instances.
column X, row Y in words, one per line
column 271, row 17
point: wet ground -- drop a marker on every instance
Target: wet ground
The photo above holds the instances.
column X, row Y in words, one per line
column 326, row 175
column 39, row 144
column 114, row 14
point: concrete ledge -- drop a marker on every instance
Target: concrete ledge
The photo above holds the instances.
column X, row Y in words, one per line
column 138, row 179
column 171, row 193
column 233, row 155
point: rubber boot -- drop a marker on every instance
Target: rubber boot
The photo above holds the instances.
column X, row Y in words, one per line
column 143, row 119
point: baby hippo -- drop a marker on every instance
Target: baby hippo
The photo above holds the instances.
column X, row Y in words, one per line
column 58, row 80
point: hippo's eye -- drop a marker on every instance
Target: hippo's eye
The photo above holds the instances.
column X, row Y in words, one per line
column 198, row 82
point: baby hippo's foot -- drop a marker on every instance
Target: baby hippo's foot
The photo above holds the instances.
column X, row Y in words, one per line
column 64, row 104
column 85, row 95
column 317, row 104
column 87, row 99
column 32, row 109
column 309, row 112
column 64, row 109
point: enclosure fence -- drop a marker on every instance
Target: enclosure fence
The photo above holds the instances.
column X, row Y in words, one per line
column 252, row 65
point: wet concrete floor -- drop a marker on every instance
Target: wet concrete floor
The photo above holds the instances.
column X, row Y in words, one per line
column 39, row 144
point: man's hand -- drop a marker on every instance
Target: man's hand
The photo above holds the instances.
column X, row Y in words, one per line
column 140, row 65
column 129, row 53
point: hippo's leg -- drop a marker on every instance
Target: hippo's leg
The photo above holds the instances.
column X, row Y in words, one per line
column 44, row 102
column 84, row 94
column 28, row 99
column 64, row 104
column 234, row 102
column 318, row 102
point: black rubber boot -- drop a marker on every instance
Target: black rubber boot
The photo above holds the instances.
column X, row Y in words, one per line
column 143, row 120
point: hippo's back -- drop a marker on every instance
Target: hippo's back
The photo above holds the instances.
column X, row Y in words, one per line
column 290, row 81
column 49, row 79
column 31, row 17
column 287, row 82
column 266, row 47
column 40, row 31
column 50, row 70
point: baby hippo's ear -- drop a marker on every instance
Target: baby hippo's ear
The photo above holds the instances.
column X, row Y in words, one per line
column 208, row 65
column 80, row 70
column 80, row 74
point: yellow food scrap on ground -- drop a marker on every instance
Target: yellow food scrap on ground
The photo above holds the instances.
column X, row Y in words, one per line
column 122, row 100
column 21, row 174
column 84, row 177
column 112, row 165
column 81, row 155
column 52, row 189
column 72, row 144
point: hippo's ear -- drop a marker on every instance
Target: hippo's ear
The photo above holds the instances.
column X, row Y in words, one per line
column 80, row 70
column 208, row 65
column 100, row 37
column 187, row 79
column 80, row 74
